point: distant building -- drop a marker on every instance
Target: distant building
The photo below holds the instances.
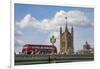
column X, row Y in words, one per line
column 66, row 41
column 86, row 49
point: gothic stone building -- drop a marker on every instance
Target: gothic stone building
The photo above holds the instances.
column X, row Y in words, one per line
column 66, row 41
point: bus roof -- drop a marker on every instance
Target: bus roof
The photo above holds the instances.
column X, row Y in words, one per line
column 36, row 45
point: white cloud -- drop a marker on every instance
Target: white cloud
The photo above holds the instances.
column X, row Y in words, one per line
column 56, row 34
column 18, row 33
column 76, row 18
column 19, row 42
column 27, row 21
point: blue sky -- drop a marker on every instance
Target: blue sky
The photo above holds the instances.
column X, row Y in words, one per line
column 36, row 23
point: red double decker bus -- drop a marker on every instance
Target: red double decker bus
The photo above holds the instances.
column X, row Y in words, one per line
column 38, row 49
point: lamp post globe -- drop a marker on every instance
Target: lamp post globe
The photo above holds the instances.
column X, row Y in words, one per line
column 52, row 40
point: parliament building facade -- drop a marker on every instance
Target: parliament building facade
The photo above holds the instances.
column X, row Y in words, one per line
column 66, row 41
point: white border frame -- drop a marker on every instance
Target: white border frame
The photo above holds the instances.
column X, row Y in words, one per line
column 12, row 34
column 54, row 3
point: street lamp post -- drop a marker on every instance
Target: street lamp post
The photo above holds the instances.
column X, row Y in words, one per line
column 53, row 40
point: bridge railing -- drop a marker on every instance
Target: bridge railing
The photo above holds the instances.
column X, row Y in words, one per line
column 39, row 59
